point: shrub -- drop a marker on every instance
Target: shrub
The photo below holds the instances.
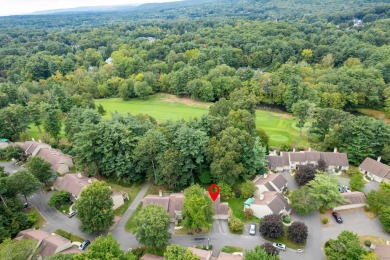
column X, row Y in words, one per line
column 384, row 218
column 205, row 177
column 271, row 226
column 248, row 213
column 32, row 217
column 287, row 220
column 357, row 182
column 270, row 249
column 225, row 190
column 297, row 232
column 236, row 225
column 367, row 243
column 322, row 210
column 325, row 221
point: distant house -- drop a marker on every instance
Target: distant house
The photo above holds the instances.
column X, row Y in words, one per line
column 173, row 204
column 357, row 22
column 355, row 199
column 47, row 244
column 74, row 183
column 292, row 160
column 375, row 170
column 226, row 256
column 268, row 202
column 109, row 61
column 202, row 254
column 382, row 251
column 59, row 161
column 151, row 257
column 270, row 182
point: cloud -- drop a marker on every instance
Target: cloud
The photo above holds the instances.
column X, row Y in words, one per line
column 12, row 7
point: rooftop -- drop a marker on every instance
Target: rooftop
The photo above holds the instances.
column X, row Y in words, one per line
column 377, row 168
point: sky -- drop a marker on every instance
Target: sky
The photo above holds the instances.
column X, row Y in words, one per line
column 12, row 7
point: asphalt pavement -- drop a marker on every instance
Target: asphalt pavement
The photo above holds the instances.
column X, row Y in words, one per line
column 10, row 167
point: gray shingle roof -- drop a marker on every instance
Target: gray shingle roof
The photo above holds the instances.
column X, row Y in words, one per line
column 355, row 197
column 377, row 168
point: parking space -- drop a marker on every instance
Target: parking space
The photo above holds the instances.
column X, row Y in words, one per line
column 354, row 220
column 372, row 185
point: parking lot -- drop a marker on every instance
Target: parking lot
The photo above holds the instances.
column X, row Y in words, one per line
column 354, row 220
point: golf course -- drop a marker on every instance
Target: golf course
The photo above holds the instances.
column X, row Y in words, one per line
column 280, row 127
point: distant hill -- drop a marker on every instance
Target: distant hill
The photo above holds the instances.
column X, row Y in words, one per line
column 88, row 9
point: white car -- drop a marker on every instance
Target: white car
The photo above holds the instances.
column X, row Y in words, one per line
column 279, row 246
column 252, row 229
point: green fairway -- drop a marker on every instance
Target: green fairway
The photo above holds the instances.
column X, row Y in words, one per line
column 279, row 126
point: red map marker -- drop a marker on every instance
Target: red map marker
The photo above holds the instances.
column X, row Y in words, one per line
column 214, row 191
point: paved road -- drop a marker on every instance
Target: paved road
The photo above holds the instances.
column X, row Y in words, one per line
column 10, row 167
column 125, row 239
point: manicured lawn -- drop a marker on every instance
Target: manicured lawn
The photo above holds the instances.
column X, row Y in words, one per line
column 231, row 249
column 184, row 231
column 64, row 209
column 34, row 133
column 237, row 207
column 130, row 224
column 279, row 126
column 71, row 237
column 283, row 239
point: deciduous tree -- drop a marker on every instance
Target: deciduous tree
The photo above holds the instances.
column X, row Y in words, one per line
column 17, row 249
column 259, row 254
column 247, row 188
column 302, row 110
column 152, row 224
column 39, row 168
column 272, row 226
column 304, row 174
column 297, row 232
column 197, row 208
column 24, row 183
column 176, row 252
column 302, row 201
column 94, row 207
column 270, row 249
column 324, row 190
column 345, row 247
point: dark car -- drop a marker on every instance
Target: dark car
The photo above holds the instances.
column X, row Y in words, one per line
column 337, row 217
column 84, row 244
column 26, row 205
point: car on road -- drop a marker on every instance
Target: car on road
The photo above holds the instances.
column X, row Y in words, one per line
column 84, row 244
column 26, row 205
column 279, row 246
column 72, row 213
column 252, row 229
column 337, row 217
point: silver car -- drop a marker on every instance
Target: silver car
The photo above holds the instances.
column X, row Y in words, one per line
column 252, row 229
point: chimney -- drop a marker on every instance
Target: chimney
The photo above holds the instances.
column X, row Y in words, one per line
column 335, row 150
column 265, row 176
column 379, row 158
column 79, row 175
column 261, row 197
column 39, row 140
column 33, row 139
column 309, row 150
column 90, row 181
column 293, row 150
column 160, row 193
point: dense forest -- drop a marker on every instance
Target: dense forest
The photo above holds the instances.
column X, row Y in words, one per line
column 333, row 54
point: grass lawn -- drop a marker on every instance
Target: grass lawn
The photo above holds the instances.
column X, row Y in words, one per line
column 130, row 224
column 231, row 249
column 64, row 209
column 279, row 126
column 34, row 133
column 71, row 237
column 237, row 207
column 374, row 240
column 40, row 220
column 184, row 231
column 283, row 239
column 122, row 209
